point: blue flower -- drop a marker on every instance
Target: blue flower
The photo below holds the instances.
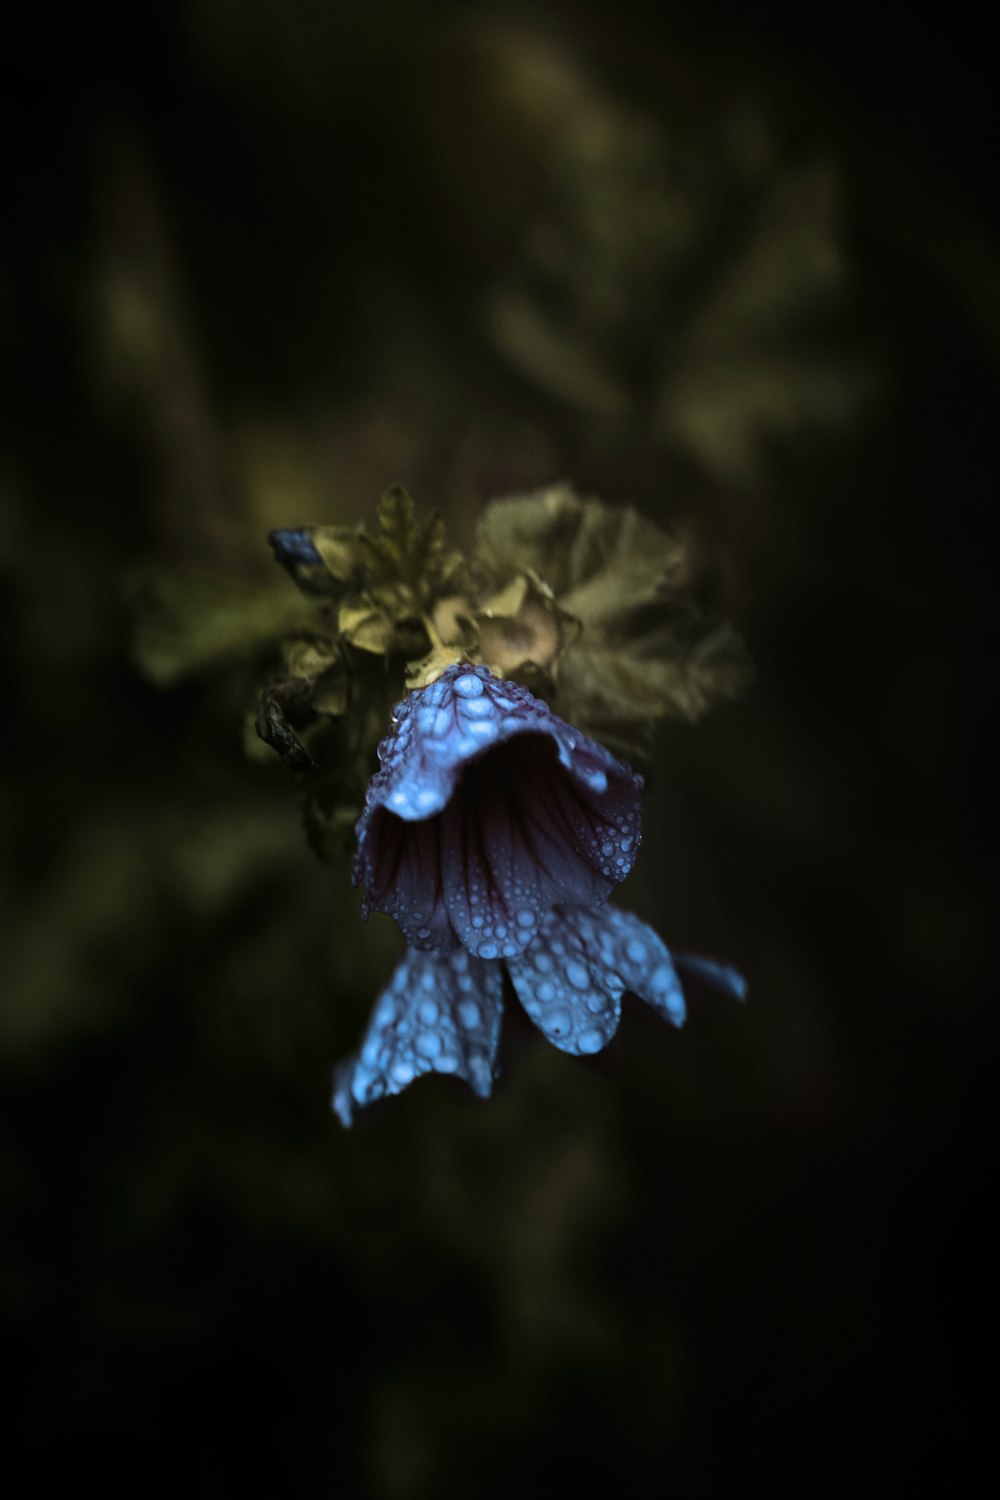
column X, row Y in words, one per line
column 489, row 811
column 441, row 1012
column 493, row 833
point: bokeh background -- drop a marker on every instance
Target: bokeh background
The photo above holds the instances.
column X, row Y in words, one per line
column 258, row 262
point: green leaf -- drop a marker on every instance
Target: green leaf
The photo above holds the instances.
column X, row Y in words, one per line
column 186, row 623
column 671, row 674
column 600, row 561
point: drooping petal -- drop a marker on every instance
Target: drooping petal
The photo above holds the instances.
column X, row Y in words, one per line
column 526, row 813
column 720, row 976
column 571, row 980
column 439, row 1013
column 572, row 997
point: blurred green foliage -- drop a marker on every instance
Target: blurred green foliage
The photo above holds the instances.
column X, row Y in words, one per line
column 261, row 263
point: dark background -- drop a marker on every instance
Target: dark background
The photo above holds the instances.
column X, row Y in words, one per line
column 257, row 263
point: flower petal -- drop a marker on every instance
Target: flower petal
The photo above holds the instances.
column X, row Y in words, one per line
column 526, row 812
column 512, row 841
column 440, row 1013
column 406, row 883
column 571, row 980
column 720, row 976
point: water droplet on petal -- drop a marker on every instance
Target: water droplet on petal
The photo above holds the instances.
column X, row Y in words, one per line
column 662, row 980
column 469, row 686
column 469, row 1014
column 590, row 1041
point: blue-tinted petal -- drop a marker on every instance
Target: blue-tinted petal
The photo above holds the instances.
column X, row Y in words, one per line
column 531, row 813
column 440, row 1013
column 569, row 991
column 512, row 842
column 570, row 981
column 406, row 884
column 720, row 976
column 295, row 548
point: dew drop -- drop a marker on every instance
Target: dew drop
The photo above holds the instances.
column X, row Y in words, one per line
column 525, row 918
column 488, row 950
column 469, row 1014
column 578, row 976
column 559, row 1022
column 428, row 1044
column 477, row 708
column 590, row 1041
column 469, row 686
column 662, row 980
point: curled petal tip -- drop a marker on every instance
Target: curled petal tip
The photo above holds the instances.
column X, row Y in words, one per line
column 440, row 1013
column 722, row 977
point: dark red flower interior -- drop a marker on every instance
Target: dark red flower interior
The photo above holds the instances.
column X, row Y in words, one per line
column 520, row 835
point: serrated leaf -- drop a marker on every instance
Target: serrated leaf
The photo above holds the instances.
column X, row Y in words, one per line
column 662, row 676
column 600, row 561
column 406, row 551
